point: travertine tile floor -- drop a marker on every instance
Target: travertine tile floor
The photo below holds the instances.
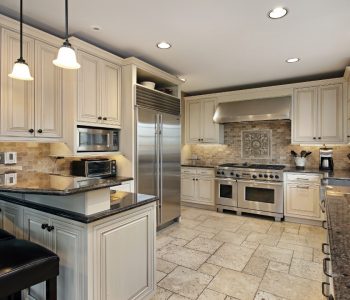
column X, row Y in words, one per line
column 211, row 255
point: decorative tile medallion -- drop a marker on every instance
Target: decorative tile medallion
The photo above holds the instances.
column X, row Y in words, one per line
column 256, row 143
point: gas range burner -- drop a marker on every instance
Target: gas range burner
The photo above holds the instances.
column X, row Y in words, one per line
column 252, row 166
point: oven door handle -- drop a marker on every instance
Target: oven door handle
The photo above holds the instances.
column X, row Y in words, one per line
column 255, row 183
column 225, row 179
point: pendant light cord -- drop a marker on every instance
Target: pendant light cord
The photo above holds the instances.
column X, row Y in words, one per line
column 21, row 30
column 67, row 22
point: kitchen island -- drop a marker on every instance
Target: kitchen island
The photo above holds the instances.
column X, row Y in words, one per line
column 105, row 241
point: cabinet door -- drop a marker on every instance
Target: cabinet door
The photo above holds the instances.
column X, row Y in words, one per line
column 210, row 130
column 205, row 191
column 188, row 192
column 67, row 243
column 194, row 123
column 12, row 219
column 331, row 113
column 303, row 201
column 34, row 232
column 111, row 88
column 17, row 96
column 89, row 93
column 305, row 115
column 48, row 92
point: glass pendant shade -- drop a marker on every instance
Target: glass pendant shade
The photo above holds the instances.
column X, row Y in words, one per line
column 66, row 58
column 21, row 71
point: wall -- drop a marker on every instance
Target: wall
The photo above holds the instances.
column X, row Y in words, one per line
column 280, row 147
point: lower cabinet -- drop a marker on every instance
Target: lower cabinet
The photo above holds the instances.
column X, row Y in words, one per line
column 302, row 198
column 11, row 219
column 197, row 186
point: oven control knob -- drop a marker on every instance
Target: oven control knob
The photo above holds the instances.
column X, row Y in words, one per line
column 218, row 172
column 232, row 174
column 260, row 175
column 271, row 176
column 276, row 176
column 222, row 173
column 254, row 176
column 237, row 175
column 265, row 176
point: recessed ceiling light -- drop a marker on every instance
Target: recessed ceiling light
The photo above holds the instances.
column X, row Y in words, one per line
column 277, row 13
column 95, row 27
column 163, row 45
column 183, row 79
column 292, row 60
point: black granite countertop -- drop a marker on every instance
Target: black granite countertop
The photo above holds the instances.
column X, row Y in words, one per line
column 337, row 174
column 198, row 165
column 120, row 202
column 55, row 184
column 338, row 222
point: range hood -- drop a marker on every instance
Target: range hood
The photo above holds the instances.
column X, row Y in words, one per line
column 253, row 110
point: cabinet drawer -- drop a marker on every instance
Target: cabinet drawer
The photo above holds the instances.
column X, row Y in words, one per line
column 312, row 178
column 205, row 172
column 191, row 171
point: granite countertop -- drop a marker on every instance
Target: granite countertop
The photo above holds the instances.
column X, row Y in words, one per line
column 54, row 184
column 338, row 222
column 198, row 165
column 120, row 202
column 336, row 174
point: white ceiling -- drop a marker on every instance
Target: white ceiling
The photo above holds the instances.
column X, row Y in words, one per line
column 216, row 44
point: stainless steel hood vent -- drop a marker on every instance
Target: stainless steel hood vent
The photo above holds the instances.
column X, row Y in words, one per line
column 253, row 110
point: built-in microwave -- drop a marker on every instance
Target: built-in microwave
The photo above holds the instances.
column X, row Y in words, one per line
column 92, row 139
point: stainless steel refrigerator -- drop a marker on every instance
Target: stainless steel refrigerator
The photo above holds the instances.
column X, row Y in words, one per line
column 158, row 156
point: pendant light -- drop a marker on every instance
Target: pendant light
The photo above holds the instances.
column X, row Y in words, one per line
column 20, row 68
column 66, row 57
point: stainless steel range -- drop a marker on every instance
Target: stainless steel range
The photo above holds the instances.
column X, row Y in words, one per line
column 252, row 188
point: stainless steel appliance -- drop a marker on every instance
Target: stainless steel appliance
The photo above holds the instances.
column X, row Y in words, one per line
column 158, row 158
column 252, row 188
column 326, row 159
column 94, row 168
column 91, row 139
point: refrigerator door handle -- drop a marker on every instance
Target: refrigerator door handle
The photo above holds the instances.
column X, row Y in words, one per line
column 160, row 170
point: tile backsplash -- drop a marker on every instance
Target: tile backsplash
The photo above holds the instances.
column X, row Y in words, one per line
column 281, row 146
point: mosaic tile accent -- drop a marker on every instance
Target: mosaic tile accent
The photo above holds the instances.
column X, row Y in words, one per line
column 256, row 143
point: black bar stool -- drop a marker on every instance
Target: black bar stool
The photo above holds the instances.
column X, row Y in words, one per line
column 4, row 235
column 24, row 264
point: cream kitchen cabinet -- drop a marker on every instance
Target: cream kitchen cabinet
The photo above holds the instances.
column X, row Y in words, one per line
column 318, row 115
column 30, row 108
column 11, row 219
column 197, row 186
column 200, row 127
column 99, row 88
column 302, row 196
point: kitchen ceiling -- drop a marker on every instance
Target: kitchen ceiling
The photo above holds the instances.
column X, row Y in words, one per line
column 216, row 45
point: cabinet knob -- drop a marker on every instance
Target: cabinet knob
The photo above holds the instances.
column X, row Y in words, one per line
column 99, row 118
column 319, row 137
column 50, row 228
column 44, row 226
column 31, row 130
column 104, row 118
column 196, row 179
column 40, row 131
column 314, row 138
column 193, row 179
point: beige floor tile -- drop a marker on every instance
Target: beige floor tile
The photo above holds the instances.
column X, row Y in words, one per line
column 274, row 253
column 201, row 218
column 280, row 227
column 184, row 233
column 308, row 230
column 161, row 294
column 235, row 284
column 207, row 235
column 318, row 256
column 208, row 229
column 290, row 287
column 260, row 295
column 250, row 245
column 295, row 239
column 209, row 269
column 300, row 252
column 165, row 266
column 163, row 240
column 257, row 225
column 256, row 266
column 263, row 238
column 178, row 297
column 231, row 256
column 186, row 282
column 190, row 213
column 179, row 242
column 220, row 224
column 204, row 245
column 230, row 298
column 231, row 237
column 306, row 269
column 160, row 275
column 211, row 295
column 189, row 223
column 183, row 256
column 278, row 267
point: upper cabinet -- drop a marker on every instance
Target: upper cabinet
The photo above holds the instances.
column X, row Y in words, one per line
column 200, row 127
column 99, row 90
column 318, row 115
column 30, row 108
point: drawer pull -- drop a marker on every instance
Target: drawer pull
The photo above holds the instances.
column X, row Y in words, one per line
column 325, row 269
column 324, row 245
column 324, row 224
column 324, row 284
column 44, row 226
column 305, row 187
column 300, row 178
column 50, row 228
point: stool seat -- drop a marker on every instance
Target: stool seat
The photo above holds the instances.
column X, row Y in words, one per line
column 23, row 264
column 4, row 235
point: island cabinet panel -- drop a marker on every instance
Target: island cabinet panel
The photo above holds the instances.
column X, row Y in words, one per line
column 11, row 219
column 124, row 256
